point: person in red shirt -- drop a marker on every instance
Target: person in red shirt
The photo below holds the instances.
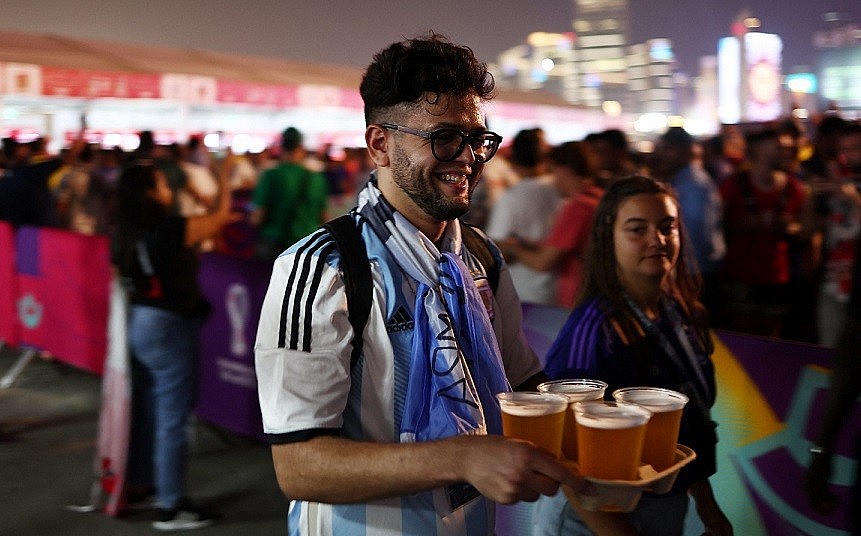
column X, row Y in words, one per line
column 762, row 208
column 563, row 250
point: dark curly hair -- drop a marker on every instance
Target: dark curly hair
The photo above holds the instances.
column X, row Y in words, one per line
column 405, row 71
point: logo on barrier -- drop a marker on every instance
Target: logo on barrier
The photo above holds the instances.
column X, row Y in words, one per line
column 30, row 311
column 238, row 305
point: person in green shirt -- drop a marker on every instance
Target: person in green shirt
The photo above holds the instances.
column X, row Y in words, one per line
column 289, row 201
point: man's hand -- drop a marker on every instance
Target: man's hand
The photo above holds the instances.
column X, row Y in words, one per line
column 508, row 470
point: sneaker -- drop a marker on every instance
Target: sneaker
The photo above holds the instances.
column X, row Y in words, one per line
column 182, row 519
column 140, row 500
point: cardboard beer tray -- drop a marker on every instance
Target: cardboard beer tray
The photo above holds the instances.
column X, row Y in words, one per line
column 623, row 495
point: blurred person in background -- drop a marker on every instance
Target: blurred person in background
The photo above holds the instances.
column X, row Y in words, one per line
column 843, row 391
column 674, row 162
column 563, row 251
column 156, row 251
column 612, row 153
column 804, row 255
column 25, row 195
column 841, row 213
column 289, row 201
column 525, row 212
column 167, row 158
column 82, row 200
column 762, row 211
column 497, row 177
column 201, row 189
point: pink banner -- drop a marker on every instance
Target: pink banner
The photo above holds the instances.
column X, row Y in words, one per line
column 234, row 91
column 63, row 294
column 9, row 333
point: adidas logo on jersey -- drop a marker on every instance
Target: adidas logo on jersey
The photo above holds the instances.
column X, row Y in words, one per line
column 400, row 321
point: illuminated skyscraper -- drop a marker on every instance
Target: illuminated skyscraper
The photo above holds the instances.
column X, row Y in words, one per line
column 600, row 59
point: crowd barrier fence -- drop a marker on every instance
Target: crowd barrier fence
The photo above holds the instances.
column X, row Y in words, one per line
column 54, row 297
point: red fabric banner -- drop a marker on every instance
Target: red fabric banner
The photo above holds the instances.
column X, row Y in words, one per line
column 9, row 333
column 63, row 294
column 94, row 84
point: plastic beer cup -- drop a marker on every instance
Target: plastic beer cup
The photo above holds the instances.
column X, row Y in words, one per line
column 577, row 390
column 610, row 438
column 534, row 417
column 662, row 432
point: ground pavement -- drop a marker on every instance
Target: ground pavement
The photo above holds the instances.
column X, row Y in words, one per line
column 48, row 422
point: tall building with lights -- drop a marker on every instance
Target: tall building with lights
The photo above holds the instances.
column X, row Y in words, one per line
column 600, row 59
column 650, row 77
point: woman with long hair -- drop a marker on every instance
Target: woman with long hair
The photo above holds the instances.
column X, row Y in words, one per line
column 154, row 250
column 638, row 322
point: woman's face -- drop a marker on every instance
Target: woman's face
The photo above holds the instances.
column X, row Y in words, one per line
column 646, row 239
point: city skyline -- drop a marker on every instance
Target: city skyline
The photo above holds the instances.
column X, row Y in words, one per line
column 349, row 33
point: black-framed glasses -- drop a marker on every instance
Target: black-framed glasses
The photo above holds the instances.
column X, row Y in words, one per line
column 448, row 143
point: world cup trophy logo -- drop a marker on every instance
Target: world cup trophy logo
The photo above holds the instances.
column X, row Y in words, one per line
column 238, row 306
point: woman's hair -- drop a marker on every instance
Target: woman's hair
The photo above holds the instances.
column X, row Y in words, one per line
column 601, row 276
column 135, row 206
column 405, row 71
column 136, row 211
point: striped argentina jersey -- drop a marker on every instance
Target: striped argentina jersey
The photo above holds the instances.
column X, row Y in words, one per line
column 306, row 386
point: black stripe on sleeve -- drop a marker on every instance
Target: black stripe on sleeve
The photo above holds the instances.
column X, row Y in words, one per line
column 301, row 435
column 309, row 303
column 297, row 258
column 326, row 245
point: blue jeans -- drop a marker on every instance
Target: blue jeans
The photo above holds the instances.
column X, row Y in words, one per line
column 164, row 348
column 655, row 515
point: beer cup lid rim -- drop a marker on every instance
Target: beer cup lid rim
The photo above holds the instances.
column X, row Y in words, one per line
column 677, row 397
column 545, row 386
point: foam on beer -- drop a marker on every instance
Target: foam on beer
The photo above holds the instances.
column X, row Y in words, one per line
column 526, row 409
column 614, row 421
column 654, row 400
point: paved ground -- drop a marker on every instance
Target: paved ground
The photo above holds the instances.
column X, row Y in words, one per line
column 48, row 420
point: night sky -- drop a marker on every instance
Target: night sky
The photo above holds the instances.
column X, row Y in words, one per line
column 349, row 32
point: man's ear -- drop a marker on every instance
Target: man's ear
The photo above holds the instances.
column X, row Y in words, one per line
column 377, row 140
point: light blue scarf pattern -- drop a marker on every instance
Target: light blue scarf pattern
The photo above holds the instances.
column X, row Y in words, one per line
column 456, row 368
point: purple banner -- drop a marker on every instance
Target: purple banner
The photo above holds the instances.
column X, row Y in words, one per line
column 227, row 394
column 770, row 398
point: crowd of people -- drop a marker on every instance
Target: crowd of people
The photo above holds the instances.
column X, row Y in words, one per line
column 772, row 213
column 752, row 230
column 772, row 210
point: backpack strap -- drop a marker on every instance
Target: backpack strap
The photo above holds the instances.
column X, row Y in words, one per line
column 476, row 243
column 356, row 271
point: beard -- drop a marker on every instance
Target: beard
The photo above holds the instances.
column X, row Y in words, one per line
column 418, row 183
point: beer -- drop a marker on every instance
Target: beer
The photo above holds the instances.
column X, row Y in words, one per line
column 577, row 390
column 610, row 439
column 662, row 432
column 534, row 417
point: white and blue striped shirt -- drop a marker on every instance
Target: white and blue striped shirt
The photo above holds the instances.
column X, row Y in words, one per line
column 306, row 385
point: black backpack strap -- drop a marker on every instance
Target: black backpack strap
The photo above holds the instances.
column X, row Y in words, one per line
column 356, row 271
column 476, row 244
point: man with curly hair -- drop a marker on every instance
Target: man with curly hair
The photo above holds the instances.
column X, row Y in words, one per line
column 405, row 439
